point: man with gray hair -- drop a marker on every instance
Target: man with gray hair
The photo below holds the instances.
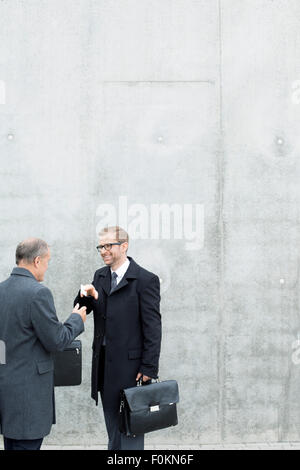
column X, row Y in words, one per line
column 31, row 331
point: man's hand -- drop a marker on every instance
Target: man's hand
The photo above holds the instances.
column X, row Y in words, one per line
column 80, row 311
column 90, row 290
column 145, row 377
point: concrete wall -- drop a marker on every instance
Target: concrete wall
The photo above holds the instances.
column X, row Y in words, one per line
column 175, row 102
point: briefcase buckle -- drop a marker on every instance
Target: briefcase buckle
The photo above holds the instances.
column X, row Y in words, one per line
column 154, row 408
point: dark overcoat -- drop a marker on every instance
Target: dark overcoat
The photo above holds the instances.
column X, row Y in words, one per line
column 30, row 331
column 131, row 321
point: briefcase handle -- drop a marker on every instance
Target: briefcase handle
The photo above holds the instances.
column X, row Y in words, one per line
column 149, row 382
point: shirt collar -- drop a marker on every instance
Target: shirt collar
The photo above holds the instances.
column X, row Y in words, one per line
column 122, row 269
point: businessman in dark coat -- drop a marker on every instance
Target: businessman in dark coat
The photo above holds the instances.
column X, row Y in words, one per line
column 125, row 300
column 30, row 331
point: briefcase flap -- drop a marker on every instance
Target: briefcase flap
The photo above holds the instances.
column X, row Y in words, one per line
column 67, row 365
column 160, row 393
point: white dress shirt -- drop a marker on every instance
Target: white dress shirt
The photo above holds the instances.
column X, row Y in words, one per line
column 121, row 270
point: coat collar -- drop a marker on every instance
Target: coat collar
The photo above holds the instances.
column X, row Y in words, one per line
column 22, row 272
column 131, row 273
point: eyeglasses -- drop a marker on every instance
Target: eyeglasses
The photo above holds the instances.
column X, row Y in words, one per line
column 107, row 246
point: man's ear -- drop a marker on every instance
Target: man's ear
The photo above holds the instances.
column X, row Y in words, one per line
column 37, row 261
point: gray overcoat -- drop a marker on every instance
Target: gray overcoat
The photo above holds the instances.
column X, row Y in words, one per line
column 30, row 331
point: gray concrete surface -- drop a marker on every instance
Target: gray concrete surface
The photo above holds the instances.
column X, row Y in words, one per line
column 166, row 102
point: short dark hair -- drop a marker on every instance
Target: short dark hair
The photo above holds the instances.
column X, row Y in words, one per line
column 29, row 249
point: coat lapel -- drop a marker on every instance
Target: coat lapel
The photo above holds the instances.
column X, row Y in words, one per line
column 121, row 284
column 131, row 273
column 105, row 280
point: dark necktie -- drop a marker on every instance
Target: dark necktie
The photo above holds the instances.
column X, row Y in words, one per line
column 113, row 282
column 112, row 288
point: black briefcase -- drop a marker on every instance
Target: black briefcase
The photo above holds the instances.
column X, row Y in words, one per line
column 68, row 365
column 148, row 408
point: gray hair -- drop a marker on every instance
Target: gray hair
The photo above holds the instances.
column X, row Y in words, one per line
column 29, row 249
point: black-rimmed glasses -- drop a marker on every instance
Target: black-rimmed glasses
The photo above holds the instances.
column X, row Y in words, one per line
column 107, row 246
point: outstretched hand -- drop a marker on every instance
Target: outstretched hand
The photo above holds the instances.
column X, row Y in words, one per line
column 80, row 311
column 90, row 290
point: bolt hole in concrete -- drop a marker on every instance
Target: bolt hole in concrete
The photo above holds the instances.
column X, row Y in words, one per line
column 280, row 141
